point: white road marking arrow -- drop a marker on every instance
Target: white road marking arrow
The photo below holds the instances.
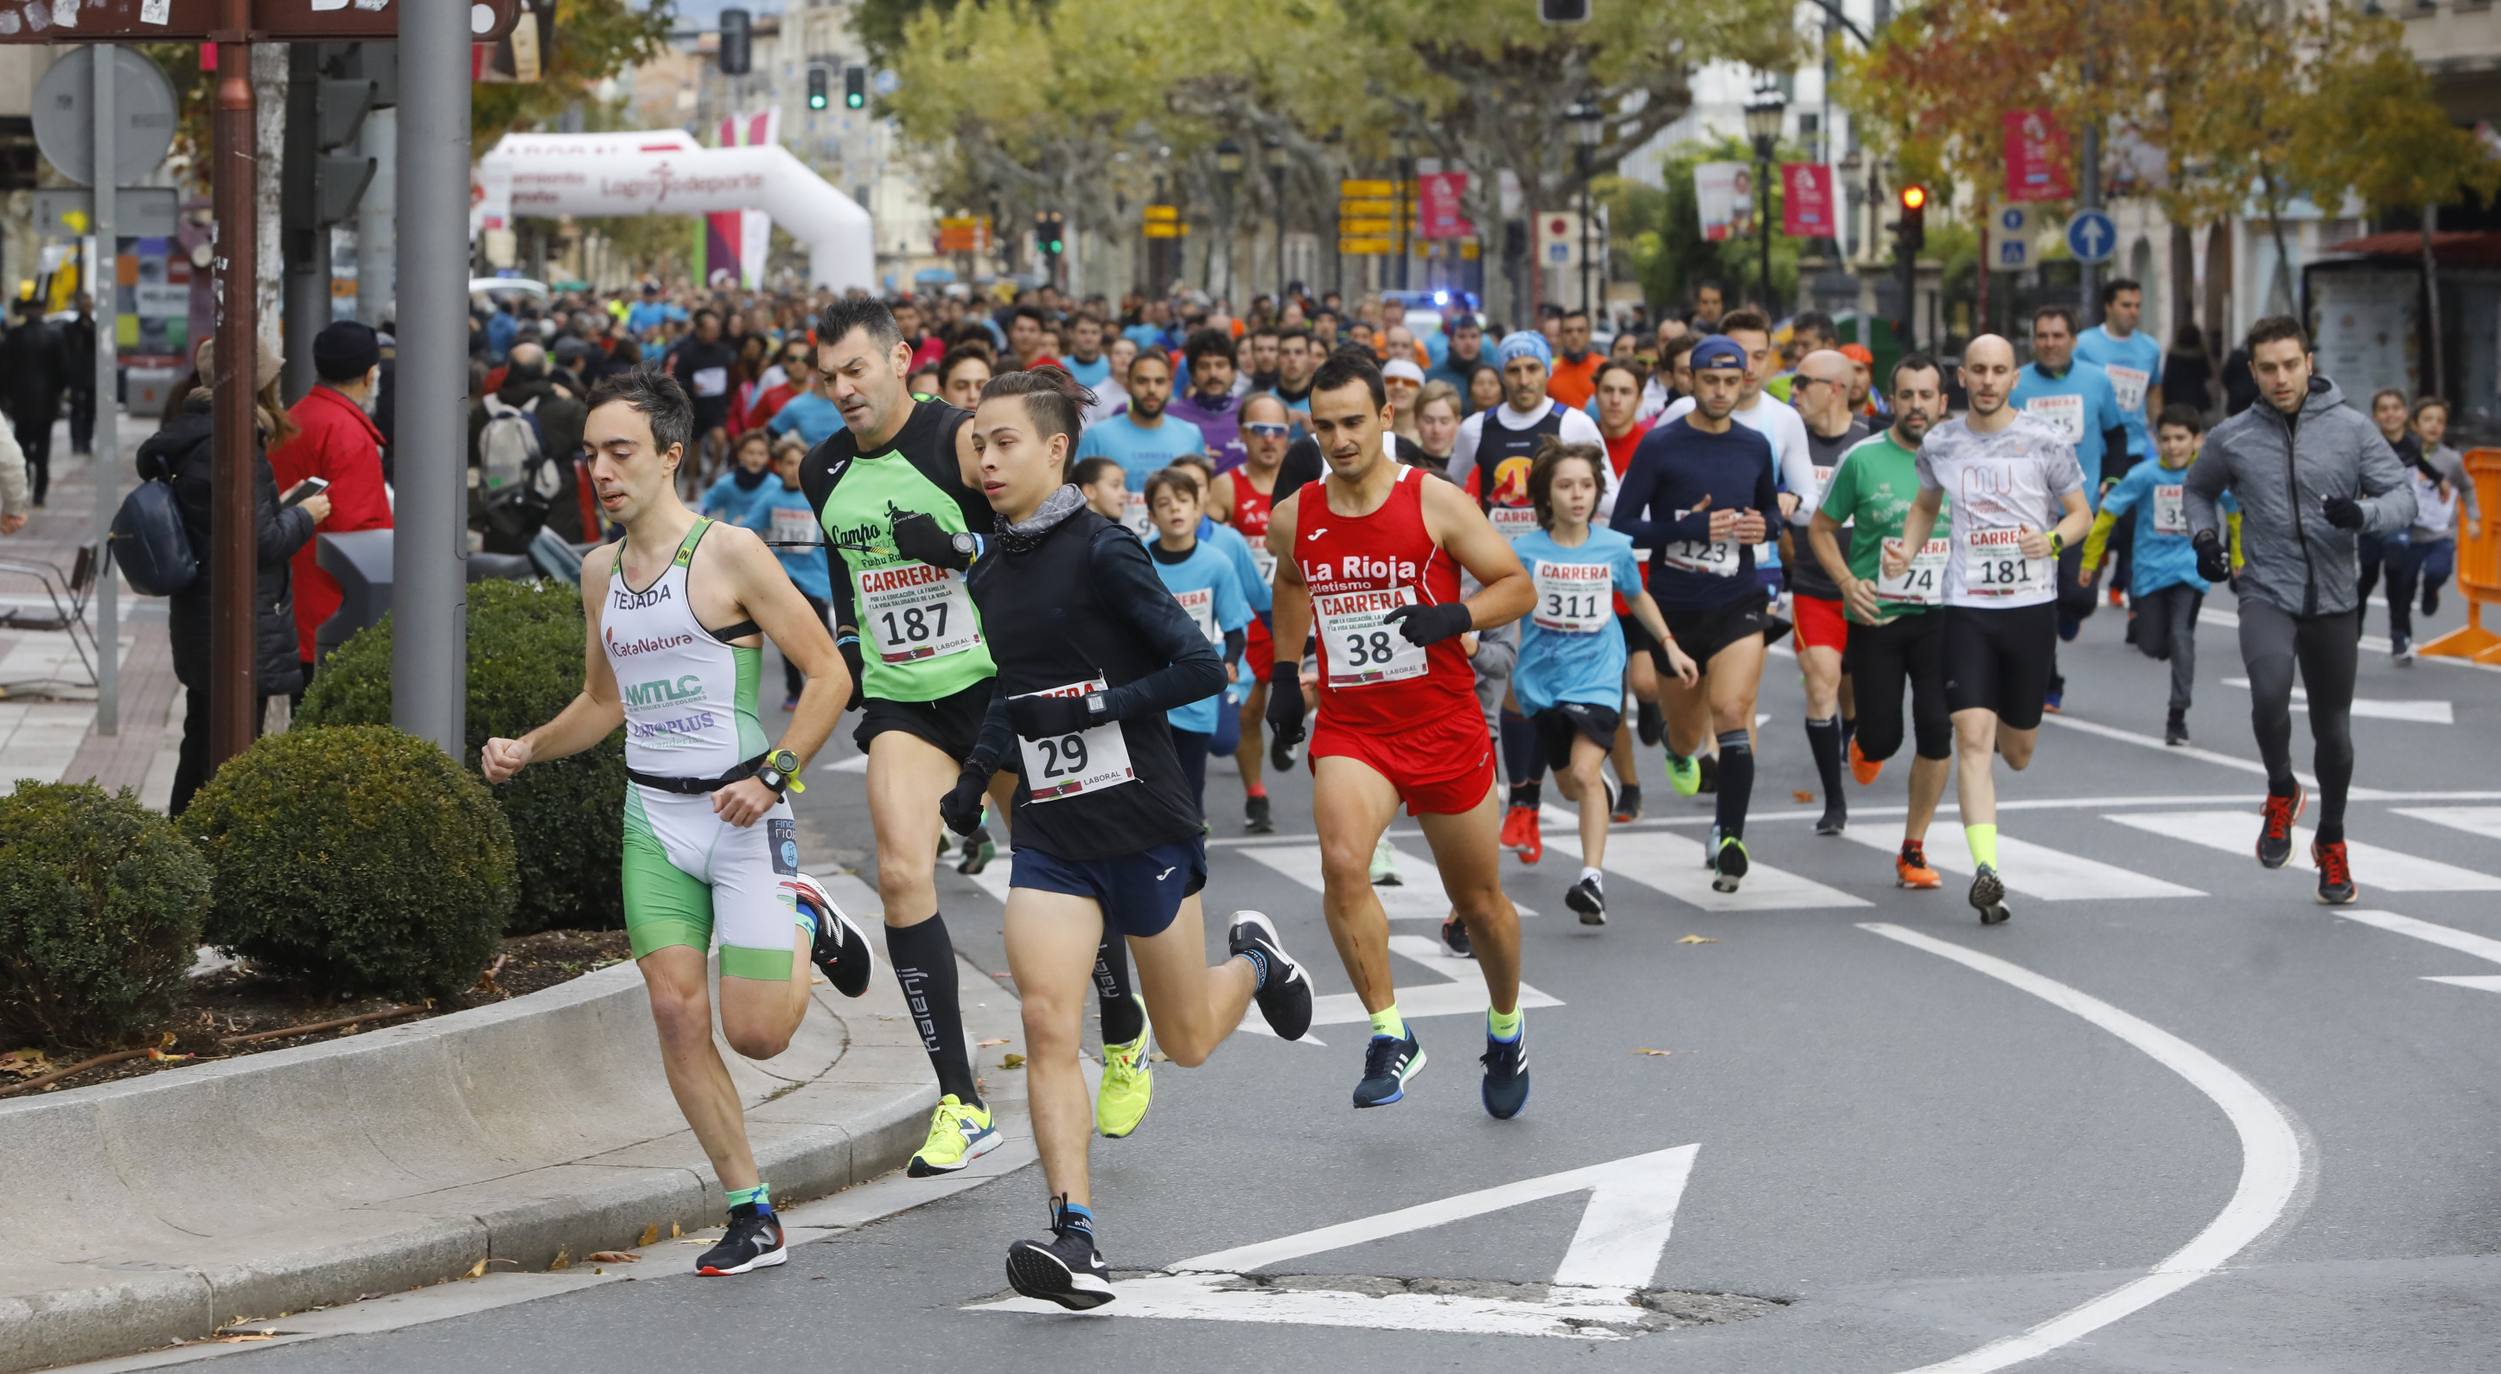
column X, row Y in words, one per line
column 1623, row 1230
column 2418, row 712
column 2464, row 942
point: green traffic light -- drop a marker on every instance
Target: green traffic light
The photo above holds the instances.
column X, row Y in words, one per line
column 854, row 101
column 816, row 102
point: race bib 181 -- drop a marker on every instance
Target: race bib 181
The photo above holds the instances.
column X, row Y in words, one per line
column 1994, row 565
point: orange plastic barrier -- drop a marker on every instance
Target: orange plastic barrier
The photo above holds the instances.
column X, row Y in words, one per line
column 2479, row 568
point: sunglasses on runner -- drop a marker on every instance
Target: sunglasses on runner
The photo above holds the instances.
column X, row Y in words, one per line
column 1267, row 429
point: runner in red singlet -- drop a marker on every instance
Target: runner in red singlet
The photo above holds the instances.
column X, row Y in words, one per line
column 1374, row 557
column 1240, row 498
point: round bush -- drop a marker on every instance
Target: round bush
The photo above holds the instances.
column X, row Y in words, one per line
column 101, row 902
column 357, row 858
column 525, row 663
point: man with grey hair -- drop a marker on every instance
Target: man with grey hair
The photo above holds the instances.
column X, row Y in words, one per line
column 531, row 403
column 1821, row 392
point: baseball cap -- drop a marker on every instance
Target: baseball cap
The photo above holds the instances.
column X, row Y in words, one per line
column 1718, row 350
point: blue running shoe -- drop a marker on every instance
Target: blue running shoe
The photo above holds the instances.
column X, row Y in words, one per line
column 1387, row 1065
column 1506, row 1074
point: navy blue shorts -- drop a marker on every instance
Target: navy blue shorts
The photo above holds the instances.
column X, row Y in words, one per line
column 1140, row 893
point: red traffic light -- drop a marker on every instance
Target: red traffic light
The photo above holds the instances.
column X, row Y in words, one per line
column 1914, row 197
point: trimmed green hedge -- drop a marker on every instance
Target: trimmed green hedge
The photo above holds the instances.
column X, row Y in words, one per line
column 525, row 663
column 358, row 859
column 101, row 902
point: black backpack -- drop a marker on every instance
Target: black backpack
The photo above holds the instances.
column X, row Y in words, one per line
column 150, row 542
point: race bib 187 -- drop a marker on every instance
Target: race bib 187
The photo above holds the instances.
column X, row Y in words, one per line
column 915, row 611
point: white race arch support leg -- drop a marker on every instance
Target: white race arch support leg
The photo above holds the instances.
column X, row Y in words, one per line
column 2272, row 1163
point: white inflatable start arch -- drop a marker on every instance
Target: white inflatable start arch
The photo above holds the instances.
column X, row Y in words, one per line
column 667, row 172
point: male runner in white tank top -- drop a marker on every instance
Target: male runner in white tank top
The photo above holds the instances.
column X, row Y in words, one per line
column 678, row 611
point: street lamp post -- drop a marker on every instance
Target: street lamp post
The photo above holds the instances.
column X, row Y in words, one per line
column 1229, row 172
column 1763, row 116
column 1272, row 149
column 1588, row 122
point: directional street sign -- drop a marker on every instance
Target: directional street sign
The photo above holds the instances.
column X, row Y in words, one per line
column 2091, row 236
column 2011, row 228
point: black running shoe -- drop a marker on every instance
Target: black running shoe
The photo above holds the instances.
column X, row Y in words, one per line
column 2275, row 830
column 1729, row 861
column 1627, row 805
column 1506, row 1074
column 1388, row 1062
column 1836, row 817
column 1590, row 900
column 1455, row 937
column 2175, row 729
column 1710, row 774
column 846, row 957
column 754, row 1241
column 1285, row 995
column 1988, row 896
column 1255, row 816
column 1651, row 725
column 1066, row 1269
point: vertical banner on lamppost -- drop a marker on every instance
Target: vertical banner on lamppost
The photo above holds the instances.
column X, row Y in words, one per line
column 1806, row 200
column 1439, row 197
column 1724, row 193
column 2036, row 158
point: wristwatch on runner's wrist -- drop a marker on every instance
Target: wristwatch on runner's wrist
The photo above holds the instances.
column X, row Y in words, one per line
column 781, row 772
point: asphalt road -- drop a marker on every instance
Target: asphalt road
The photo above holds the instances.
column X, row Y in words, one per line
column 2174, row 1116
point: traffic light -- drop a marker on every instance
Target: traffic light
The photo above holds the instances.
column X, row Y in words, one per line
column 817, row 82
column 737, row 42
column 1049, row 233
column 1912, row 231
column 855, row 87
column 1563, row 11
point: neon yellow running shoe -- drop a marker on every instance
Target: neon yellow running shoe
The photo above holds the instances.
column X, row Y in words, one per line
column 958, row 1135
column 1684, row 774
column 1128, row 1082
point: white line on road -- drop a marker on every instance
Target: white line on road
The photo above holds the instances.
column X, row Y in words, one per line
column 2373, row 867
column 2482, row 947
column 1673, row 865
column 2474, row 820
column 2377, row 644
column 2435, row 712
column 1419, row 895
column 2039, row 871
column 2186, row 751
column 2271, row 1162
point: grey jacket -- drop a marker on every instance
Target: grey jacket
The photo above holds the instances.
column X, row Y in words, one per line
column 2283, row 470
column 2451, row 465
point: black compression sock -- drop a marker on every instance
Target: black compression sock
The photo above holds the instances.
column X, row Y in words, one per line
column 1736, row 782
column 1123, row 1018
column 1523, row 762
column 1849, row 731
column 1824, row 738
column 924, row 966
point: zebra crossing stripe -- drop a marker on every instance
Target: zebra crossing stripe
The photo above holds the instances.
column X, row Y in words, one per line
column 2376, row 869
column 2474, row 820
column 1672, row 863
column 2038, row 871
column 1418, row 897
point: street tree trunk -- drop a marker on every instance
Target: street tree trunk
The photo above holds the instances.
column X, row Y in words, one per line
column 2434, row 372
column 269, row 92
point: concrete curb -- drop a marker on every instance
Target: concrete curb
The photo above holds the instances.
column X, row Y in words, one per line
column 165, row 1206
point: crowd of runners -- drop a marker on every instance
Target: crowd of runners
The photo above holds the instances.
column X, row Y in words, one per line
column 1057, row 558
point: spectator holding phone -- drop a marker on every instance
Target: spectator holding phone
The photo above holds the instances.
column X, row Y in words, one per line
column 336, row 441
column 181, row 452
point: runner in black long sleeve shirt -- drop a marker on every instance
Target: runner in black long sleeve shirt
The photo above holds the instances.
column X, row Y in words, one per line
column 1091, row 651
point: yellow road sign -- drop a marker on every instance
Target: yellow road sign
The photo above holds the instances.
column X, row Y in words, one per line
column 1352, row 189
column 1366, row 247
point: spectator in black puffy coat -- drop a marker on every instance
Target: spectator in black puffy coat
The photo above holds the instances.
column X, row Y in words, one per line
column 183, row 450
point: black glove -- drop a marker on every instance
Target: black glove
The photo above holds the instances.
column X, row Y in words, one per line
column 2343, row 512
column 1285, row 712
column 848, row 644
column 1051, row 717
column 917, row 536
column 2213, row 564
column 1431, row 624
column 960, row 808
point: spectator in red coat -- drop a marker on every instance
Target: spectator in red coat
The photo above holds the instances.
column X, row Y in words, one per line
column 334, row 440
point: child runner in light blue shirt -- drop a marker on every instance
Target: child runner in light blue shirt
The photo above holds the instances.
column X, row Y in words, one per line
column 1203, row 580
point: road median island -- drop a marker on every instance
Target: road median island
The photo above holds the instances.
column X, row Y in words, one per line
column 152, row 1210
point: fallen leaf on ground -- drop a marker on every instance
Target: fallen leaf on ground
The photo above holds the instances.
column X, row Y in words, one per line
column 1013, row 1061
column 999, row 1041
column 1697, row 940
column 239, row 1337
column 613, row 1257
column 162, row 1057
column 25, row 1064
column 478, row 1270
column 1802, row 796
column 651, row 1234
column 563, row 1260
column 1661, row 1054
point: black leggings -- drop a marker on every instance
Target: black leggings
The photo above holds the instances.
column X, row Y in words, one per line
column 2272, row 644
column 1883, row 659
